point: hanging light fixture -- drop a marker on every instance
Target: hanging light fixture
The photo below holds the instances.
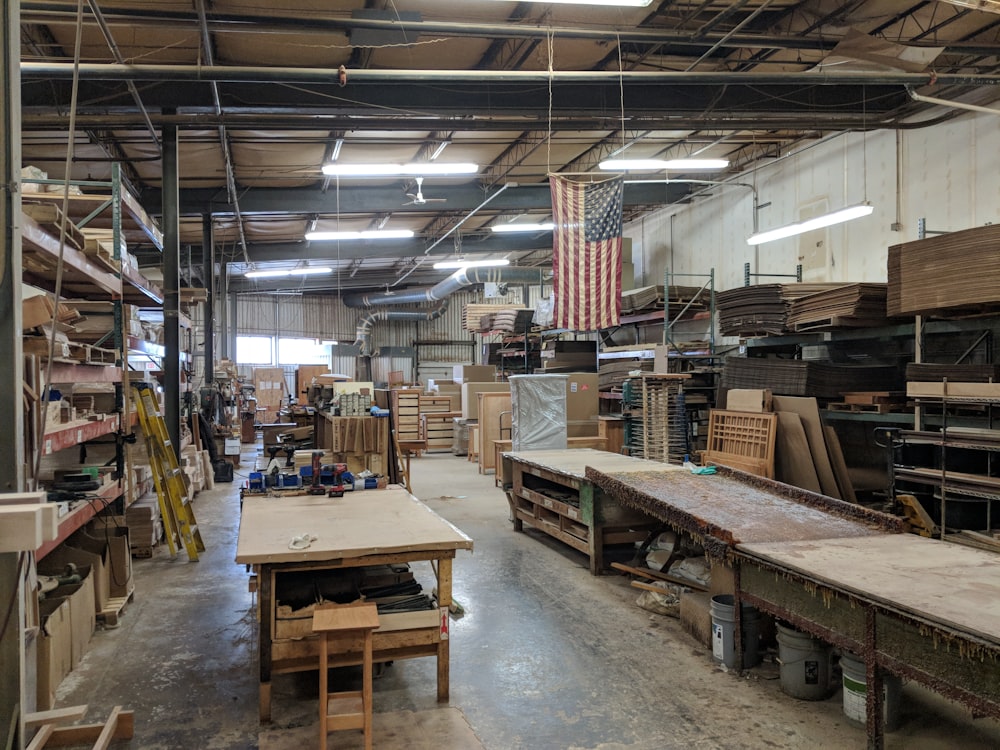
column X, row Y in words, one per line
column 524, row 227
column 610, row 3
column 646, row 165
column 446, row 264
column 818, row 222
column 277, row 273
column 371, row 234
column 400, row 170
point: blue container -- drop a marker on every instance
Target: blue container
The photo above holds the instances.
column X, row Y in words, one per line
column 371, row 483
column 256, row 480
column 289, row 480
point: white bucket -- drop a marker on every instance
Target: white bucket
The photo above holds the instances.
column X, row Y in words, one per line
column 804, row 665
column 856, row 692
column 724, row 632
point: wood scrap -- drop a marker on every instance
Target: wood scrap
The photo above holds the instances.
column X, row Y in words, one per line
column 839, row 465
column 793, row 459
column 655, row 575
column 808, row 412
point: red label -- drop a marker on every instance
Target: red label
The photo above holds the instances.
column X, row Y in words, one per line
column 444, row 623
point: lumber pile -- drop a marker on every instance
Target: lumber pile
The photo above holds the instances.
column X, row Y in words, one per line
column 844, row 306
column 761, row 309
column 954, row 273
column 512, row 320
column 928, row 372
column 798, row 377
column 612, row 374
column 479, row 318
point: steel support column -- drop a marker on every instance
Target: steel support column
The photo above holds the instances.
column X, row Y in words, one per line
column 11, row 372
column 171, row 289
column 208, row 274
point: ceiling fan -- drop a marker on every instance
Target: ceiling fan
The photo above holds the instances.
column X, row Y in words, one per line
column 418, row 199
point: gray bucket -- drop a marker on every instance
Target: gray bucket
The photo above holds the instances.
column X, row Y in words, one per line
column 856, row 692
column 804, row 665
column 724, row 632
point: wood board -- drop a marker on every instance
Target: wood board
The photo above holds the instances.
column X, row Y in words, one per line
column 839, row 465
column 573, row 462
column 808, row 412
column 491, row 407
column 793, row 460
column 358, row 524
column 757, row 400
column 958, row 586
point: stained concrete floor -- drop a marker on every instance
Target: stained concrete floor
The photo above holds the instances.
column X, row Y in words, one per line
column 545, row 656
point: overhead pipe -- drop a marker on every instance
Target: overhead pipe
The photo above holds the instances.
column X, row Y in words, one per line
column 365, row 325
column 462, row 278
column 264, row 74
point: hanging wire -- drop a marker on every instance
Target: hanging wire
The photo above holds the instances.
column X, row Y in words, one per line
column 57, row 291
column 864, row 141
column 548, row 135
column 621, row 87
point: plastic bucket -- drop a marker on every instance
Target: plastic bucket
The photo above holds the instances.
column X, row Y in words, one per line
column 856, row 692
column 724, row 632
column 804, row 665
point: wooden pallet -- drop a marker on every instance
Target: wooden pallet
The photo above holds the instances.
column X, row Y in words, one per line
column 865, row 408
column 114, row 609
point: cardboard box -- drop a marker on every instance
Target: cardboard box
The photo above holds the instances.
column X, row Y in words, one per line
column 80, row 597
column 582, row 404
column 470, row 396
column 54, row 650
column 111, row 533
column 55, row 562
column 474, row 374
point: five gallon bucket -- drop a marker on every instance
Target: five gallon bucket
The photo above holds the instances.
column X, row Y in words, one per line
column 724, row 632
column 856, row 692
column 804, row 665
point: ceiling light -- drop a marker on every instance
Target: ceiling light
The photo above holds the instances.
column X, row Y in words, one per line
column 269, row 274
column 273, row 273
column 626, row 165
column 616, row 3
column 371, row 234
column 470, row 263
column 399, row 170
column 310, row 270
column 547, row 227
column 826, row 220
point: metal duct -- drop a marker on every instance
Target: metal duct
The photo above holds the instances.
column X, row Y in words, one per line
column 459, row 280
column 364, row 327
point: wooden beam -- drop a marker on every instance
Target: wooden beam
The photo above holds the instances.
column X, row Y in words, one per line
column 123, row 728
column 55, row 716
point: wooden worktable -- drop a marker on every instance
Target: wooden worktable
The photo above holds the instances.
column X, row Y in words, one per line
column 370, row 527
column 585, row 518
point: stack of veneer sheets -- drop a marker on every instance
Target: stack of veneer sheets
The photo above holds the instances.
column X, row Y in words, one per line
column 476, row 318
column 643, row 298
column 612, row 374
column 928, row 372
column 845, row 306
column 512, row 320
column 799, row 377
column 954, row 273
column 761, row 309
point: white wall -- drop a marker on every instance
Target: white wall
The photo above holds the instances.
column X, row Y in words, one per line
column 948, row 174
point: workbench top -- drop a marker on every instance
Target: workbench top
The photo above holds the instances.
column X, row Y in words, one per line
column 361, row 523
column 574, row 462
column 935, row 580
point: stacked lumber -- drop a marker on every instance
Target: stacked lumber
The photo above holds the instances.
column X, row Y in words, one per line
column 927, row 372
column 512, row 320
column 760, row 309
column 650, row 298
column 145, row 526
column 473, row 316
column 798, row 377
column 612, row 374
column 845, row 306
column 954, row 273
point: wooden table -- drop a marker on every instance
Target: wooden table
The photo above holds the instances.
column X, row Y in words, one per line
column 590, row 518
column 372, row 527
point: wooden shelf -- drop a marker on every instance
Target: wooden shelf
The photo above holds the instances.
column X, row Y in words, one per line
column 80, row 515
column 74, row 433
column 137, row 226
column 73, row 372
column 82, row 278
column 138, row 290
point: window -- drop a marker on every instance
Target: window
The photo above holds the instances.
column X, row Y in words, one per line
column 302, row 352
column 254, row 350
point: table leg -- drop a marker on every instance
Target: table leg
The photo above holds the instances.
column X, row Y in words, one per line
column 324, row 689
column 444, row 602
column 265, row 603
column 596, row 544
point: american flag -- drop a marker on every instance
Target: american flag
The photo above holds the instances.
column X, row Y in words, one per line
column 587, row 252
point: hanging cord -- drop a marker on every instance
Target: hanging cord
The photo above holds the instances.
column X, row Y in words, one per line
column 57, row 291
column 621, row 87
column 548, row 135
column 864, row 141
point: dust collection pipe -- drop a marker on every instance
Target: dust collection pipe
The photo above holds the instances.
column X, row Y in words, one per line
column 261, row 74
column 441, row 291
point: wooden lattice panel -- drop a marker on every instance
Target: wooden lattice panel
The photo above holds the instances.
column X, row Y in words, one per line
column 742, row 440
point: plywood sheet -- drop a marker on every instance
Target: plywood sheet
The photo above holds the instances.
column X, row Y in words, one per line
column 808, row 412
column 793, row 460
column 757, row 400
column 574, row 462
column 493, row 408
column 839, row 465
column 948, row 583
column 358, row 524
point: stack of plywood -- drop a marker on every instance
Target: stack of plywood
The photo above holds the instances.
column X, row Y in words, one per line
column 926, row 371
column 761, row 309
column 271, row 390
column 145, row 526
column 845, row 306
column 952, row 273
column 798, row 377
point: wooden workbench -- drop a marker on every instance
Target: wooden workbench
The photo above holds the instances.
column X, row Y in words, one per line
column 373, row 527
column 585, row 518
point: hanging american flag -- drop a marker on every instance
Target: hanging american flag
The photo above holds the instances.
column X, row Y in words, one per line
column 587, row 252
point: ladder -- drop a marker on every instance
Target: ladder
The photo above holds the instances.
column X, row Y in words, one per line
column 168, row 477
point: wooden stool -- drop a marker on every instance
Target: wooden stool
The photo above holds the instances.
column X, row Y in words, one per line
column 348, row 709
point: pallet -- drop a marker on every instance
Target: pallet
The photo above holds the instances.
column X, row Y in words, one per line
column 865, row 408
column 114, row 609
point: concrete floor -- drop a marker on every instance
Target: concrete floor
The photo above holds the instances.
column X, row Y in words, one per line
column 546, row 656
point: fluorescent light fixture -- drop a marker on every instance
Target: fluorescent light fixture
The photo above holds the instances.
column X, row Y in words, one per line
column 327, row 342
column 283, row 272
column 503, row 228
column 399, row 170
column 826, row 220
column 372, row 234
column 627, row 165
column 614, row 3
column 470, row 263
